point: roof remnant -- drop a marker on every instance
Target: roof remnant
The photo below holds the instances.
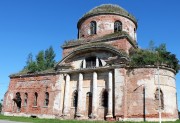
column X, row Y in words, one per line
column 72, row 43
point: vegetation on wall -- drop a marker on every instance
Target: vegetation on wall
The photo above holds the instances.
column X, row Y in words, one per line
column 44, row 60
column 154, row 56
column 109, row 8
column 100, row 39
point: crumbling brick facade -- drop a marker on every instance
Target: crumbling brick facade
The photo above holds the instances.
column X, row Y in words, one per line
column 94, row 80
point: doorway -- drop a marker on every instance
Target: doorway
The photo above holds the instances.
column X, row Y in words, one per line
column 88, row 104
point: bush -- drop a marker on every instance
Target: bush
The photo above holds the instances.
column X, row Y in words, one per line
column 158, row 56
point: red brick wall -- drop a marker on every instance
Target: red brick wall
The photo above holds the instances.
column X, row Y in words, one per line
column 137, row 106
column 30, row 85
column 121, row 44
column 105, row 25
column 66, row 51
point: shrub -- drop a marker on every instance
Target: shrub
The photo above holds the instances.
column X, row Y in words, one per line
column 159, row 56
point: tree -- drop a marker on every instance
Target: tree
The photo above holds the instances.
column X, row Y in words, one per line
column 143, row 57
column 49, row 58
column 29, row 59
column 40, row 61
column 167, row 57
column 32, row 67
column 44, row 60
column 161, row 48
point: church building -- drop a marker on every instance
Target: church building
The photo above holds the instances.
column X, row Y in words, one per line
column 94, row 81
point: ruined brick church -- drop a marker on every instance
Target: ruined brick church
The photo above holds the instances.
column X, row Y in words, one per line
column 93, row 80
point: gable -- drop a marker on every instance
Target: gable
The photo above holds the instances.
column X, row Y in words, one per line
column 103, row 52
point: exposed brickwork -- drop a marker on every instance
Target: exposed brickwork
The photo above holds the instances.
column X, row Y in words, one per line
column 66, row 51
column 130, row 91
column 121, row 44
column 30, row 85
column 142, row 78
column 105, row 25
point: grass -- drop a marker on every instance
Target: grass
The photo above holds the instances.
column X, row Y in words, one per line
column 37, row 120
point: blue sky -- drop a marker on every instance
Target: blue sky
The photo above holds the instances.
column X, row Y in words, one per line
column 28, row 26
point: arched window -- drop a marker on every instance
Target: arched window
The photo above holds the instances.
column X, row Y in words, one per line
column 157, row 99
column 93, row 27
column 46, row 100
column 35, row 98
column 17, row 100
column 74, row 99
column 117, row 26
column 104, row 98
column 25, row 99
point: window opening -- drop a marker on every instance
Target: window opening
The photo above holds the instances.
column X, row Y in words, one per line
column 25, row 99
column 157, row 99
column 35, row 99
column 89, row 103
column 93, row 27
column 74, row 99
column 46, row 101
column 117, row 26
column 90, row 62
column 104, row 98
column 17, row 100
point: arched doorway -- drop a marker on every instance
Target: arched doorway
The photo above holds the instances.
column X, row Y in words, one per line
column 74, row 102
column 18, row 100
column 88, row 104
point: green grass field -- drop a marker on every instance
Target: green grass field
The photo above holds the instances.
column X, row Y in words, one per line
column 37, row 120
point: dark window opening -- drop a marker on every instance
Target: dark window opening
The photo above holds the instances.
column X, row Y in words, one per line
column 82, row 64
column 93, row 27
column 25, row 99
column 89, row 103
column 157, row 99
column 90, row 62
column 104, row 98
column 117, row 26
column 17, row 100
column 46, row 101
column 100, row 63
column 75, row 99
column 35, row 98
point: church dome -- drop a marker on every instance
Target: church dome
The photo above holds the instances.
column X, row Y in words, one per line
column 108, row 9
